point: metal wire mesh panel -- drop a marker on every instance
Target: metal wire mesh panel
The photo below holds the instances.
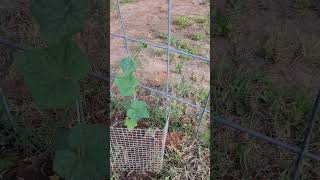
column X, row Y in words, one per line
column 137, row 150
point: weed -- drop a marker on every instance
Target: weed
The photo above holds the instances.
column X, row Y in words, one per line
column 188, row 47
column 157, row 117
column 278, row 46
column 223, row 24
column 173, row 39
column 127, row 1
column 199, row 36
column 187, row 90
column 159, row 52
column 183, row 21
column 250, row 95
column 179, row 67
column 205, row 139
column 199, row 19
column 310, row 51
column 306, row 4
column 184, row 44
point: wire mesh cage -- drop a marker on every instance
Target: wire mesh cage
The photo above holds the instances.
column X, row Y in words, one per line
column 139, row 150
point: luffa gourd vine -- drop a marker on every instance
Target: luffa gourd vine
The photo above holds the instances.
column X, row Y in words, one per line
column 52, row 75
column 127, row 84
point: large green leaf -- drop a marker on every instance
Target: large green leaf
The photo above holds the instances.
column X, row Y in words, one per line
column 52, row 73
column 138, row 110
column 60, row 139
column 59, row 19
column 127, row 84
column 128, row 66
column 84, row 159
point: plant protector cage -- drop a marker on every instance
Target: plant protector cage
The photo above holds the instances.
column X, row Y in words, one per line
column 137, row 150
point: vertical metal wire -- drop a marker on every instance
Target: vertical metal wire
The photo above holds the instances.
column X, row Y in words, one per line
column 298, row 164
column 202, row 114
column 168, row 100
column 122, row 27
column 5, row 104
column 168, row 65
column 125, row 36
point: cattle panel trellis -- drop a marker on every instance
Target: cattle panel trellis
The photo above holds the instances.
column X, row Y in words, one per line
column 301, row 151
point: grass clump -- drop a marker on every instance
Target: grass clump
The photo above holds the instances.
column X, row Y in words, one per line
column 164, row 36
column 127, row 1
column 183, row 21
column 199, row 36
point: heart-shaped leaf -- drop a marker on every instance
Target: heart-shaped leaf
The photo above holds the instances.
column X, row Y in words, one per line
column 127, row 84
column 128, row 66
column 59, row 19
column 137, row 110
column 52, row 73
column 130, row 124
column 83, row 160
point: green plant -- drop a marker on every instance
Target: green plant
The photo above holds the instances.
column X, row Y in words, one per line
column 127, row 84
column 222, row 23
column 183, row 21
column 52, row 74
column 173, row 40
column 179, row 67
column 304, row 4
column 199, row 36
column 159, row 52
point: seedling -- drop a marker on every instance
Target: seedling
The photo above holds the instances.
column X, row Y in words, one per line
column 127, row 84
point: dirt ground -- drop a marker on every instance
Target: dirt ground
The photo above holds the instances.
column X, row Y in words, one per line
column 146, row 20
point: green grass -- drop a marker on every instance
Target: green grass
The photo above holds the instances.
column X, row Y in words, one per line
column 188, row 47
column 223, row 24
column 127, row 1
column 173, row 39
column 183, row 21
column 189, row 91
column 306, row 4
column 249, row 95
column 199, row 36
column 199, row 19
column 159, row 52
column 179, row 67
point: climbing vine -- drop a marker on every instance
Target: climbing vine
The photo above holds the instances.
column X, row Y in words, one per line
column 127, row 84
column 52, row 75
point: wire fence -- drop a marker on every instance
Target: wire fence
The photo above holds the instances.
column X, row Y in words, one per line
column 301, row 151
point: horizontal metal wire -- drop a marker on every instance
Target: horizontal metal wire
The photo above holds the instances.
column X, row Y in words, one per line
column 292, row 148
column 219, row 120
column 162, row 47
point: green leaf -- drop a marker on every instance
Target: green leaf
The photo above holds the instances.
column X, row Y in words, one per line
column 59, row 19
column 60, row 139
column 138, row 110
column 127, row 84
column 52, row 73
column 84, row 159
column 130, row 124
column 128, row 66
